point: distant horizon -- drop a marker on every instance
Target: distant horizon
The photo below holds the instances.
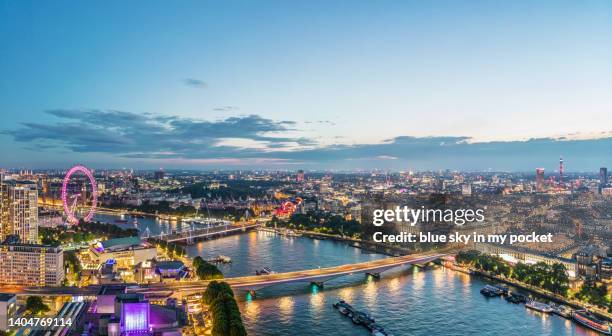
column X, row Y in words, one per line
column 247, row 170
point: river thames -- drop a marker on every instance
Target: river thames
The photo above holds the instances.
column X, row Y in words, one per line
column 405, row 301
column 408, row 301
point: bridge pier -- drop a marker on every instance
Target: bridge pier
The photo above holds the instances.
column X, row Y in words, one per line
column 252, row 293
column 374, row 275
column 319, row 284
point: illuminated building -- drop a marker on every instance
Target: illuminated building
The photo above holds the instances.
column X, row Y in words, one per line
column 300, row 176
column 135, row 313
column 30, row 264
column 126, row 252
column 144, row 272
column 171, row 269
column 516, row 254
column 19, row 210
column 539, row 179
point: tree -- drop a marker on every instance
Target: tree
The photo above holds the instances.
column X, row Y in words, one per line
column 216, row 289
column 72, row 262
column 467, row 257
column 227, row 319
column 207, row 271
column 560, row 279
column 226, row 316
column 36, row 306
column 595, row 294
column 197, row 261
column 521, row 272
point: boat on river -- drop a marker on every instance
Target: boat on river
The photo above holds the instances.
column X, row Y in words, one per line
column 585, row 318
column 491, row 291
column 360, row 318
column 516, row 298
column 539, row 306
column 562, row 310
column 265, row 271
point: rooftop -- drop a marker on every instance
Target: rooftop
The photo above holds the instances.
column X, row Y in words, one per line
column 6, row 297
column 121, row 242
column 170, row 265
column 112, row 290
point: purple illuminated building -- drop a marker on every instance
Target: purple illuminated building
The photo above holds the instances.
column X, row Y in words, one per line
column 135, row 315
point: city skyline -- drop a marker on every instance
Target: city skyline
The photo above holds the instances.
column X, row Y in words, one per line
column 402, row 86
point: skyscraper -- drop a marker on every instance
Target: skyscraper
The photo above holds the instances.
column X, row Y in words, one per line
column 19, row 210
column 159, row 174
column 561, row 169
column 300, row 176
column 539, row 179
column 603, row 177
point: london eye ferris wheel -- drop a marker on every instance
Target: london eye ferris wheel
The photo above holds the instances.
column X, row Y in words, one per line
column 79, row 194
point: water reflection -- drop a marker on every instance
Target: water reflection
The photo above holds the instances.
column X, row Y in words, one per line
column 251, row 309
column 317, row 300
column 285, row 305
column 411, row 301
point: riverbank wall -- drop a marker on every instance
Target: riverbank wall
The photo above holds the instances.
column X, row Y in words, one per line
column 538, row 291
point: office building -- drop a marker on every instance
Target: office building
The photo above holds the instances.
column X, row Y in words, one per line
column 539, row 179
column 603, row 178
column 19, row 210
column 30, row 264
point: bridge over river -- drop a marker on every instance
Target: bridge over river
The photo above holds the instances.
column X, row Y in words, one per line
column 252, row 283
column 316, row 276
column 208, row 232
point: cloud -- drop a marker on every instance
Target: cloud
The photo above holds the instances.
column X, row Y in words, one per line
column 458, row 152
column 196, row 83
column 250, row 139
column 156, row 136
column 226, row 108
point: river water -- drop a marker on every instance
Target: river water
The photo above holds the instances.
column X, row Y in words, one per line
column 405, row 301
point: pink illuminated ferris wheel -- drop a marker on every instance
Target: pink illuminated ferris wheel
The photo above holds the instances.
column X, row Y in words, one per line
column 76, row 195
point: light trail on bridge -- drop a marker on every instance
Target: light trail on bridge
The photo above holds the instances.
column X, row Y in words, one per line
column 248, row 283
column 319, row 275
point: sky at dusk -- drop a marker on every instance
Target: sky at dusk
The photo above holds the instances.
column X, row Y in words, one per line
column 471, row 85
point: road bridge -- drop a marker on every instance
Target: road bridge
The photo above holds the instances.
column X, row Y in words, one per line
column 315, row 276
column 252, row 283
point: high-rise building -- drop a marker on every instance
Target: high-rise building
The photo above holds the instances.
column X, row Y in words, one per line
column 561, row 169
column 466, row 189
column 300, row 176
column 539, row 179
column 159, row 174
column 603, row 177
column 19, row 210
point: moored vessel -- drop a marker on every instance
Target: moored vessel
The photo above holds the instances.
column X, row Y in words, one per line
column 589, row 320
column 490, row 291
column 265, row 271
column 539, row 306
